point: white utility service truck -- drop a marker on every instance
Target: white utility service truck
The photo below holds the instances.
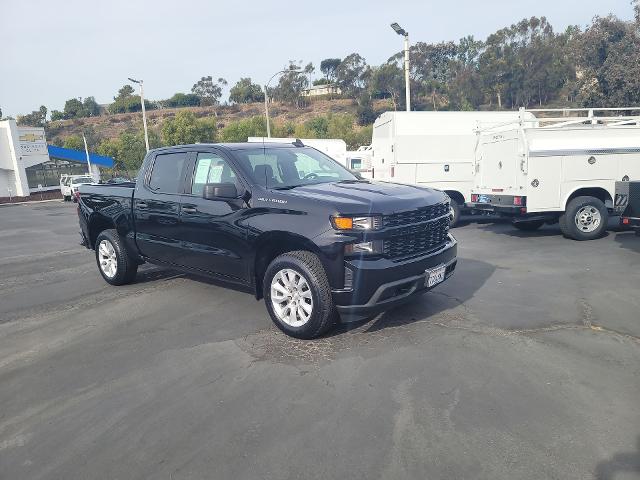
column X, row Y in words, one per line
column 433, row 149
column 561, row 168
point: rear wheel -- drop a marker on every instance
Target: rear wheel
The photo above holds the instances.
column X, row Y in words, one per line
column 529, row 226
column 585, row 218
column 298, row 296
column 114, row 262
column 454, row 209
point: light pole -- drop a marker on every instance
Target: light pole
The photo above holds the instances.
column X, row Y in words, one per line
column 144, row 113
column 86, row 152
column 266, row 96
column 401, row 31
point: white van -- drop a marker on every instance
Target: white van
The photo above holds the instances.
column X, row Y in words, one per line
column 434, row 149
column 561, row 168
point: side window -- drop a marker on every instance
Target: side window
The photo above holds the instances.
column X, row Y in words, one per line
column 266, row 169
column 211, row 168
column 167, row 173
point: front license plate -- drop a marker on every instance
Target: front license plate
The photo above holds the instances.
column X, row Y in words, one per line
column 483, row 199
column 435, row 275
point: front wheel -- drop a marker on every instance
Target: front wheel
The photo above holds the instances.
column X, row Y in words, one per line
column 585, row 218
column 298, row 296
column 114, row 262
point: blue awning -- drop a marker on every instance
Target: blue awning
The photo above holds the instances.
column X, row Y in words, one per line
column 79, row 156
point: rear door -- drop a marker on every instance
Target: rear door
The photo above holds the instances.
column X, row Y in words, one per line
column 212, row 232
column 499, row 161
column 156, row 207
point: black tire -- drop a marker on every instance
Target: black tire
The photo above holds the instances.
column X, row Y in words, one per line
column 67, row 199
column 455, row 213
column 309, row 267
column 569, row 224
column 126, row 267
column 529, row 226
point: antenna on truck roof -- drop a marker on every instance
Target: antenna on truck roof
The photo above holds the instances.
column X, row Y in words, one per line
column 298, row 143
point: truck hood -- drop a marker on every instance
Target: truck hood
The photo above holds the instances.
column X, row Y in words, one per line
column 368, row 197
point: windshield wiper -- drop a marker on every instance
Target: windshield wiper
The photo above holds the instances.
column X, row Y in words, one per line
column 363, row 180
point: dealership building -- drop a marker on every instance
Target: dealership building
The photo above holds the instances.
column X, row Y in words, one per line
column 28, row 165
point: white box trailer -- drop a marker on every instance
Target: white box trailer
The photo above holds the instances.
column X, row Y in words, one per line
column 336, row 148
column 433, row 149
column 562, row 167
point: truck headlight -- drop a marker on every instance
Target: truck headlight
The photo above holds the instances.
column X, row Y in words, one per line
column 373, row 247
column 357, row 223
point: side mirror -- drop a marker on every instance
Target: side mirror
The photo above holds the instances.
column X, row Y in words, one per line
column 213, row 191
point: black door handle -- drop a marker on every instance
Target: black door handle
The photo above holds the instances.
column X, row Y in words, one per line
column 189, row 209
column 142, row 205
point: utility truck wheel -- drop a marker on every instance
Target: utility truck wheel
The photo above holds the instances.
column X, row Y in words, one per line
column 298, row 296
column 585, row 218
column 455, row 213
column 114, row 263
column 529, row 226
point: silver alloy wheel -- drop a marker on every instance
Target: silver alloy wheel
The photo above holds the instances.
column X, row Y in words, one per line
column 107, row 258
column 291, row 297
column 588, row 219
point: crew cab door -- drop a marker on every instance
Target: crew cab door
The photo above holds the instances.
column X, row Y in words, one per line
column 212, row 232
column 156, row 207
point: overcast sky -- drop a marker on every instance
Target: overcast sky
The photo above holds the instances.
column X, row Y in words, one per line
column 53, row 50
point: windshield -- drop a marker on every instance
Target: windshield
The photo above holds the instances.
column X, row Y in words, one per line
column 282, row 168
column 82, row 180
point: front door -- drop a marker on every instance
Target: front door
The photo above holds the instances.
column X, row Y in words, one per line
column 213, row 232
column 156, row 207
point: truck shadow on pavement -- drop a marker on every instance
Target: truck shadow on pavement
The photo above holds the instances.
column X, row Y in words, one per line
column 626, row 462
column 469, row 277
column 628, row 240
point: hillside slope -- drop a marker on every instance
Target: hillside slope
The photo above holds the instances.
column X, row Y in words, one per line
column 110, row 126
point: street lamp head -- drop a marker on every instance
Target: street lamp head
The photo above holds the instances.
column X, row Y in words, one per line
column 398, row 29
column 134, row 81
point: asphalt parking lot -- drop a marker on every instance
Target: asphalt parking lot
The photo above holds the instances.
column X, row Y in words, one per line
column 525, row 364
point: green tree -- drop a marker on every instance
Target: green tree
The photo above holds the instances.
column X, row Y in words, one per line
column 208, row 91
column 182, row 100
column 246, row 92
column 240, row 130
column 328, row 67
column 352, row 75
column 37, row 118
column 291, row 85
column 91, row 107
column 185, row 128
column 73, row 108
column 387, row 80
column 74, row 142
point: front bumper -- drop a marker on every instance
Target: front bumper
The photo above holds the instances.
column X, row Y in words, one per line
column 381, row 284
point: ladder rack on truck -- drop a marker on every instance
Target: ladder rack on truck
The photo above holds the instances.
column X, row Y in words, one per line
column 559, row 167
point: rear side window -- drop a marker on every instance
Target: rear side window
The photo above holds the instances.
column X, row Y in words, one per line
column 166, row 175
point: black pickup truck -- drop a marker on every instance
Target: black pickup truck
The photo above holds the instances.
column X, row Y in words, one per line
column 283, row 221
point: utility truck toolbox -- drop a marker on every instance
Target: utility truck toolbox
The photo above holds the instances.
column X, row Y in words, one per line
column 281, row 220
column 561, row 168
column 627, row 204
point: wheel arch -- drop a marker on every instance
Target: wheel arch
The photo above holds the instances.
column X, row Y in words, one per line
column 272, row 244
column 597, row 192
column 97, row 224
column 456, row 196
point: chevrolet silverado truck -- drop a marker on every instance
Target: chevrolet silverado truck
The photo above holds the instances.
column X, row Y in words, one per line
column 283, row 221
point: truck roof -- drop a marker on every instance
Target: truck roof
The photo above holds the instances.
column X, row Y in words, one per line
column 230, row 146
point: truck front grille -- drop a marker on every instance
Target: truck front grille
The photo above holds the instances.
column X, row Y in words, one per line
column 416, row 239
column 423, row 214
